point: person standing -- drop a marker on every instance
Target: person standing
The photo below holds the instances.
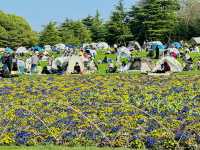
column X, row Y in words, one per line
column 157, row 52
column 7, row 64
column 34, row 62
column 14, row 62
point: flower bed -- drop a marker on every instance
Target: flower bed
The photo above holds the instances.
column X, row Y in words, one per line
column 120, row 110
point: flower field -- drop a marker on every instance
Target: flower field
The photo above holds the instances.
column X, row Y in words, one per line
column 119, row 110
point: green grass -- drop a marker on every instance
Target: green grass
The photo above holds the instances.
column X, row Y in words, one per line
column 51, row 147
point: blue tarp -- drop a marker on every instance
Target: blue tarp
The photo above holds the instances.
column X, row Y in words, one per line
column 8, row 50
column 177, row 45
column 37, row 48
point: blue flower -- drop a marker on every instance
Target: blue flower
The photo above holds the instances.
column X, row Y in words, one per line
column 69, row 135
column 49, row 140
column 154, row 111
column 77, row 89
column 150, row 142
column 22, row 137
column 181, row 118
column 140, row 121
column 21, row 113
column 185, row 109
column 116, row 128
column 181, row 135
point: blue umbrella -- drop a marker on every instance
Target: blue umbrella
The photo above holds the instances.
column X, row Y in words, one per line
column 177, row 45
column 161, row 47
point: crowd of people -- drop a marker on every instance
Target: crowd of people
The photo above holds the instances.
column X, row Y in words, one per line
column 83, row 60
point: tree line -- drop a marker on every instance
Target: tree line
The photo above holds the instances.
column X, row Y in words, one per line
column 162, row 20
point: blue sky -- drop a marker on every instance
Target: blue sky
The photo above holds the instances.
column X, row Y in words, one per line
column 40, row 12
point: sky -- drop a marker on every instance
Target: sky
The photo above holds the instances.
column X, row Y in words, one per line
column 39, row 12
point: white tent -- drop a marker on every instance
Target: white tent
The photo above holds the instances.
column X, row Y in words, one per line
column 142, row 65
column 123, row 52
column 72, row 61
column 60, row 46
column 195, row 40
column 134, row 45
column 60, row 61
column 102, row 45
column 47, row 47
column 175, row 66
column 21, row 50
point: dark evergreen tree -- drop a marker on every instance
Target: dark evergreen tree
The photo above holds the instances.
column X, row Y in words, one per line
column 50, row 35
column 154, row 19
column 118, row 29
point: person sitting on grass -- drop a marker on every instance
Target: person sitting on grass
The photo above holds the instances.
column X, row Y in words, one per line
column 77, row 69
column 105, row 60
column 111, row 68
column 124, row 67
column 164, row 68
column 198, row 65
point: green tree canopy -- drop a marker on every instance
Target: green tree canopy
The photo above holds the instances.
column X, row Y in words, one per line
column 15, row 31
column 118, row 30
column 154, row 19
column 96, row 27
column 74, row 32
column 50, row 35
column 189, row 19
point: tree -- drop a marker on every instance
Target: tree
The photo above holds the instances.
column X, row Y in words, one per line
column 74, row 32
column 50, row 35
column 189, row 19
column 118, row 30
column 154, row 19
column 15, row 31
column 96, row 27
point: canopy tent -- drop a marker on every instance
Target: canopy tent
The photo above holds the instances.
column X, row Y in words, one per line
column 176, row 45
column 174, row 65
column 195, row 40
column 8, row 50
column 21, row 50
